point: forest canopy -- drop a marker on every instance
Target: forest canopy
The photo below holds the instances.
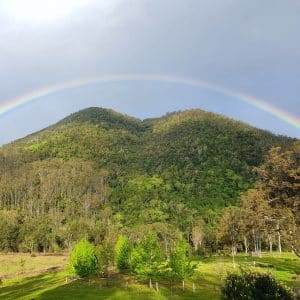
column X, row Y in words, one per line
column 216, row 182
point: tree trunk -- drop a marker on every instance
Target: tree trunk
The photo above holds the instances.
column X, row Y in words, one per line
column 295, row 251
column 279, row 238
column 233, row 255
column 246, row 244
column 279, row 242
column 254, row 241
column 166, row 247
column 150, row 284
column 183, row 285
column 270, row 243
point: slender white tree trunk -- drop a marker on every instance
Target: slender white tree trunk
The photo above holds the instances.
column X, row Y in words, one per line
column 279, row 239
column 233, row 250
column 246, row 244
column 270, row 243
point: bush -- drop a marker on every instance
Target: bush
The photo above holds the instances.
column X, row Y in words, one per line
column 254, row 286
column 83, row 261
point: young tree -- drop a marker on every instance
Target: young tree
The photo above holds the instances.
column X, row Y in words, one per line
column 105, row 257
column 146, row 258
column 83, row 261
column 123, row 251
column 180, row 262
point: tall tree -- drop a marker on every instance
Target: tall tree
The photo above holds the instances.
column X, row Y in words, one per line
column 280, row 177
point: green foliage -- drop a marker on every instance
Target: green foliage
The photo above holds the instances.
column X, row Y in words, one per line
column 146, row 257
column 98, row 169
column 83, row 261
column 123, row 251
column 279, row 179
column 105, row 258
column 9, row 231
column 180, row 261
column 104, row 118
column 254, row 285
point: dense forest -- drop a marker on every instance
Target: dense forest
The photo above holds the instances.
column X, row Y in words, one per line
column 220, row 184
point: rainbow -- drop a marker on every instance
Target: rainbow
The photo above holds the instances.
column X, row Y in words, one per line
column 25, row 99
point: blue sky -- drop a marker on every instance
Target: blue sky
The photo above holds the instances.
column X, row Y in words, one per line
column 249, row 46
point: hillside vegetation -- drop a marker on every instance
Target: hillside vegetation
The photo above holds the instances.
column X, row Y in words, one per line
column 98, row 173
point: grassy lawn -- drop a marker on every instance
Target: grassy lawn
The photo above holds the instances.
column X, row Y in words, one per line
column 20, row 265
column 207, row 279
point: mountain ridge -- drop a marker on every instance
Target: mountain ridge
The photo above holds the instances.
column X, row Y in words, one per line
column 103, row 117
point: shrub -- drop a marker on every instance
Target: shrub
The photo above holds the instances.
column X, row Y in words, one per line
column 83, row 261
column 254, row 286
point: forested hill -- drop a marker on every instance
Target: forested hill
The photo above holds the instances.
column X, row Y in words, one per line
column 101, row 167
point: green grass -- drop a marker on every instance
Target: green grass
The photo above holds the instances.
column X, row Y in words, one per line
column 53, row 286
column 20, row 265
column 207, row 279
column 285, row 267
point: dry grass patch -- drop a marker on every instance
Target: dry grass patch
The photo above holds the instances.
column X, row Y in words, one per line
column 20, row 265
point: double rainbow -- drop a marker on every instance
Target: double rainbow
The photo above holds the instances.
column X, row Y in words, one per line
column 25, row 99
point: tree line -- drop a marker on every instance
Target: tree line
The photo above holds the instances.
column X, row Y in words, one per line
column 48, row 205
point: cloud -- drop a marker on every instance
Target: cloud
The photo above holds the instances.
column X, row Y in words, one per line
column 251, row 46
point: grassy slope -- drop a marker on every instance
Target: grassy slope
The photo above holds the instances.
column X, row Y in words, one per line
column 20, row 265
column 207, row 280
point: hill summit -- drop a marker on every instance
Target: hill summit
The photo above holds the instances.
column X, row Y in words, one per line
column 105, row 118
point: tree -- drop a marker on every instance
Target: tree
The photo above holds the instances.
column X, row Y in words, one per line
column 257, row 219
column 228, row 231
column 146, row 258
column 105, row 257
column 280, row 178
column 9, row 230
column 198, row 235
column 180, row 262
column 83, row 261
column 123, row 250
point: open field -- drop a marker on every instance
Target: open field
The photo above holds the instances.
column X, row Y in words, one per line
column 20, row 265
column 52, row 284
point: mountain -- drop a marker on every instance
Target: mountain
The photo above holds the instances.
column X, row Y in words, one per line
column 99, row 165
